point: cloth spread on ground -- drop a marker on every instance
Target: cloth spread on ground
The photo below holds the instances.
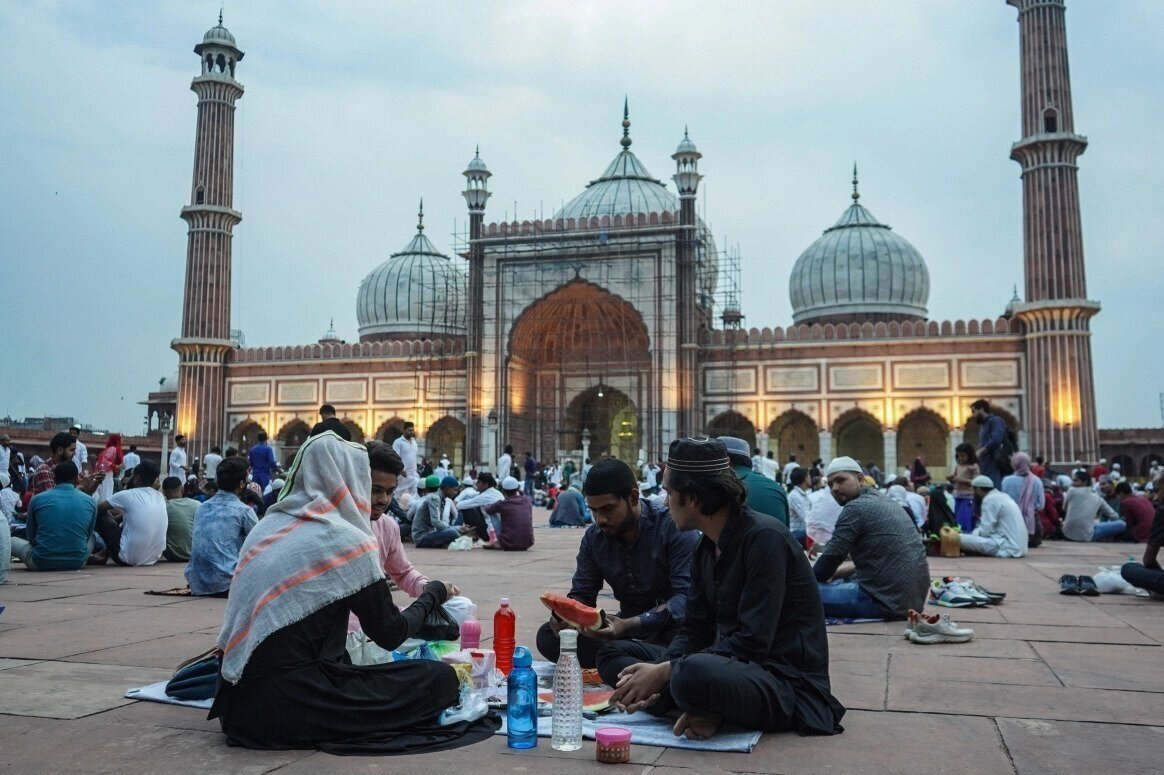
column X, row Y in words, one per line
column 175, row 592
column 157, row 693
column 322, row 519
column 649, row 730
column 831, row 621
column 434, row 738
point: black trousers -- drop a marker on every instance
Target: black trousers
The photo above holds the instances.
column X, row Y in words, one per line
column 475, row 518
column 743, row 694
column 110, row 531
column 550, row 647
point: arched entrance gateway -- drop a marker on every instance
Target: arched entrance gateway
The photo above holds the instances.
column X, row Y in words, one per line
column 292, row 436
column 578, row 358
column 794, row 433
column 446, row 436
column 858, row 435
column 923, row 433
column 731, row 423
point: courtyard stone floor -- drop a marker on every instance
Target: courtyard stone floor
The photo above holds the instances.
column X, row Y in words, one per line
column 1050, row 684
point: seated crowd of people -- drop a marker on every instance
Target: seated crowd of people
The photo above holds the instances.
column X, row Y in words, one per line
column 723, row 578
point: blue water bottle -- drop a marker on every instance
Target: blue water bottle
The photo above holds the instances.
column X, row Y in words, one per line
column 521, row 714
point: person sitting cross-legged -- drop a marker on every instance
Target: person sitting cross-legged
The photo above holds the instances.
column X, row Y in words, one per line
column 286, row 680
column 891, row 575
column 516, row 514
column 1083, row 506
column 60, row 525
column 180, row 513
column 221, row 524
column 1149, row 575
column 431, row 527
column 1001, row 530
column 752, row 652
column 140, row 537
column 635, row 547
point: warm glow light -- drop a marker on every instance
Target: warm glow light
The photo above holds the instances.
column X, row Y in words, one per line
column 1065, row 407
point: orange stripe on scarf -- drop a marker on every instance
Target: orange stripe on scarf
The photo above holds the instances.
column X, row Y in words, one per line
column 331, row 505
column 304, row 575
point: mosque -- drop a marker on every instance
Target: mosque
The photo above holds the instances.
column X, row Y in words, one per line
column 598, row 329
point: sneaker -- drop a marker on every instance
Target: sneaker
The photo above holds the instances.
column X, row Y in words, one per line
column 974, row 587
column 953, row 595
column 913, row 618
column 942, row 631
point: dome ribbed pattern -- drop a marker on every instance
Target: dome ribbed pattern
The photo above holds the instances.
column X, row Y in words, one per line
column 625, row 188
column 416, row 293
column 859, row 269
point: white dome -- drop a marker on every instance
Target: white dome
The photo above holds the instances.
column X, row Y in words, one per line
column 416, row 293
column 857, row 270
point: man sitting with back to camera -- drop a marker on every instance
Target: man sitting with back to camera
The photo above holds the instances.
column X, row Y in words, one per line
column 635, row 547
column 753, row 651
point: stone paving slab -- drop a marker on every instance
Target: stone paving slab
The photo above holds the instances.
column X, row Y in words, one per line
column 64, row 690
column 1066, row 748
column 1133, row 668
column 94, row 629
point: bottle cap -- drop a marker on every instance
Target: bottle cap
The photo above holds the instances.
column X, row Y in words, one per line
column 522, row 657
column 505, row 601
column 568, row 638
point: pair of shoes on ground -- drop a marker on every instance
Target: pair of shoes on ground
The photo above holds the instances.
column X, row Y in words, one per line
column 1077, row 585
column 953, row 592
column 938, row 628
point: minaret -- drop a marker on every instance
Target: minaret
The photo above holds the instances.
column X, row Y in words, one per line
column 205, row 339
column 1056, row 312
column 686, row 179
column 476, row 193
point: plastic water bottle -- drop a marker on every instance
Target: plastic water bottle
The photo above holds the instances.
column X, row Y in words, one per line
column 471, row 631
column 521, row 707
column 567, row 714
column 504, row 627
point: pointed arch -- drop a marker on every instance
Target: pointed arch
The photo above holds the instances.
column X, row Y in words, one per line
column 391, row 429
column 732, row 423
column 794, row 433
column 926, row 434
column 859, row 435
column 244, row 434
column 446, row 436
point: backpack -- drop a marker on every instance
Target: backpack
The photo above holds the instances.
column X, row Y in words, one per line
column 1005, row 450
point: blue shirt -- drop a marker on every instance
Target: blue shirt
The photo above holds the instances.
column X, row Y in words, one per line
column 262, row 459
column 655, row 569
column 220, row 526
column 60, row 522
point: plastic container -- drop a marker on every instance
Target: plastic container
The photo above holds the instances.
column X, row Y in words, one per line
column 612, row 745
column 567, row 712
column 521, row 707
column 471, row 630
column 504, row 627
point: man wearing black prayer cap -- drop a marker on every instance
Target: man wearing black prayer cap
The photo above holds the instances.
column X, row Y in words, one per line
column 752, row 651
column 635, row 547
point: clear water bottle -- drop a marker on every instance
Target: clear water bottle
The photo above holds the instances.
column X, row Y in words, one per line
column 521, row 706
column 567, row 715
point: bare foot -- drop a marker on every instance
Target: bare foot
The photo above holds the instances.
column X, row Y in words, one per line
column 696, row 727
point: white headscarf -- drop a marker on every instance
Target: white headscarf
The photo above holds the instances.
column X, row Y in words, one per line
column 314, row 547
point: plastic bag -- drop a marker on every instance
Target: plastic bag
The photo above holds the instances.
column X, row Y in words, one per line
column 458, row 607
column 1110, row 581
column 461, row 544
column 472, row 707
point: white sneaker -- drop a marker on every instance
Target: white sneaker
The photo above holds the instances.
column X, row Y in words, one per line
column 944, row 630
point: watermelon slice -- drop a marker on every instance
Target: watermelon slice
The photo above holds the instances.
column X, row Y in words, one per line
column 573, row 613
column 594, row 700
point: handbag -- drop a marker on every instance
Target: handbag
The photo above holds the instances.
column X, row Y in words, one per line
column 439, row 625
column 197, row 677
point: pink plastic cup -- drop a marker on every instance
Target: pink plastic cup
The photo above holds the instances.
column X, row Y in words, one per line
column 613, row 745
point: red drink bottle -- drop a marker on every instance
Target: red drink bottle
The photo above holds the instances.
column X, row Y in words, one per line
column 504, row 634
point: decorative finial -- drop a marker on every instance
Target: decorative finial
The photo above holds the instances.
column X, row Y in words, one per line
column 331, row 323
column 477, row 151
column 625, row 141
column 856, row 194
column 220, row 16
column 420, row 217
column 685, row 132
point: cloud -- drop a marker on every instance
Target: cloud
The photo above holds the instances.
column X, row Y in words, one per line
column 353, row 110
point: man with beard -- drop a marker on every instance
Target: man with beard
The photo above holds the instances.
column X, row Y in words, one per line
column 891, row 576
column 405, row 447
column 1001, row 531
column 752, row 652
column 635, row 547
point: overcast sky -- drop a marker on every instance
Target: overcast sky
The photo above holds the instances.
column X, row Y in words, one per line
column 354, row 110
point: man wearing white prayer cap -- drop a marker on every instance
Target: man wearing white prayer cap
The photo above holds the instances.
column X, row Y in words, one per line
column 1001, row 530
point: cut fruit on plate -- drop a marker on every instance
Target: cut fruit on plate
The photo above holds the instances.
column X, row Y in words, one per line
column 594, row 699
column 573, row 613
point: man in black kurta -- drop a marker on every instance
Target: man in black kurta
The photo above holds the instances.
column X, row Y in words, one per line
column 753, row 651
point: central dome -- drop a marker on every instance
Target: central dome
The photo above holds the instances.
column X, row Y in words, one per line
column 416, row 294
column 624, row 188
column 859, row 270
